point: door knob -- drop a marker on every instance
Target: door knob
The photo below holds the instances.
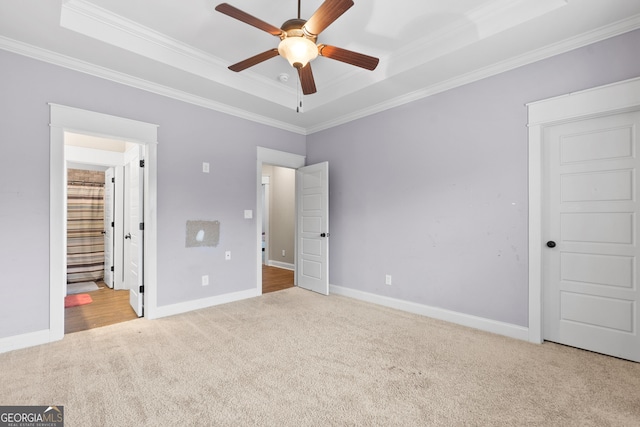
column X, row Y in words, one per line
column 324, row 235
column 128, row 236
column 551, row 244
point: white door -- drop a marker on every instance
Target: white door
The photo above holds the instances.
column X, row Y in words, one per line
column 590, row 289
column 134, row 235
column 109, row 192
column 312, row 245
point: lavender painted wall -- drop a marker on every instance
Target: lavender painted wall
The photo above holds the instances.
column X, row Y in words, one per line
column 435, row 192
column 188, row 135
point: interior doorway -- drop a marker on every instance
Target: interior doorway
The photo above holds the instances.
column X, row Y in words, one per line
column 278, row 228
column 68, row 119
column 268, row 158
column 311, row 247
column 582, row 209
column 98, row 216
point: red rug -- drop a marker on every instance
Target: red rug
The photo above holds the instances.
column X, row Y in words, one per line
column 76, row 300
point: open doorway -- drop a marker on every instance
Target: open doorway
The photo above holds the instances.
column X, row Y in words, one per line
column 98, row 206
column 311, row 247
column 278, row 228
column 68, row 119
column 268, row 157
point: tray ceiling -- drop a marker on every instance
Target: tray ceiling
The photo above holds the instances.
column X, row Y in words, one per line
column 182, row 49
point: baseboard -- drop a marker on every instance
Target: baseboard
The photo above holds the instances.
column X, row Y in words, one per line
column 279, row 264
column 488, row 325
column 183, row 307
column 30, row 339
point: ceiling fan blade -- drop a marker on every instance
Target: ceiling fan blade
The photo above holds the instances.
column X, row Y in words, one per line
column 306, row 79
column 236, row 13
column 328, row 12
column 349, row 57
column 250, row 62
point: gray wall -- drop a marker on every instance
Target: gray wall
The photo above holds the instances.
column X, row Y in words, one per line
column 282, row 211
column 435, row 192
column 282, row 216
column 187, row 135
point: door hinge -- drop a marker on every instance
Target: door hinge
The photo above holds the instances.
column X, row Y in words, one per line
column 142, row 289
column 112, row 224
column 113, row 180
column 142, row 163
column 112, row 268
column 142, row 226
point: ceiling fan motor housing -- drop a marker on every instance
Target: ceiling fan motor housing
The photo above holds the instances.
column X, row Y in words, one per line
column 296, row 43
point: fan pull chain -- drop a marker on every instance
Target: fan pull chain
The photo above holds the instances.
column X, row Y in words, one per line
column 298, row 96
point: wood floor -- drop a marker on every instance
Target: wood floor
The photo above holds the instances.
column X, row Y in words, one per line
column 110, row 306
column 276, row 279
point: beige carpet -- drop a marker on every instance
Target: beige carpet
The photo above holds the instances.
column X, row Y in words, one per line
column 294, row 358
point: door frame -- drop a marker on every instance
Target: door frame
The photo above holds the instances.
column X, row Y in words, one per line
column 276, row 158
column 94, row 156
column 265, row 206
column 132, row 158
column 599, row 101
column 70, row 119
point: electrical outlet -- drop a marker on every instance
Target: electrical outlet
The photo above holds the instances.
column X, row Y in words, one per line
column 205, row 280
column 227, row 255
column 387, row 279
column 205, row 167
column 284, row 253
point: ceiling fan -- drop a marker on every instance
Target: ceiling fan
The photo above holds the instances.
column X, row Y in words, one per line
column 298, row 41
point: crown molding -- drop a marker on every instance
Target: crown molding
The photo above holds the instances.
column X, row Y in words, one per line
column 491, row 18
column 127, row 80
column 481, row 23
column 620, row 27
column 603, row 33
column 93, row 21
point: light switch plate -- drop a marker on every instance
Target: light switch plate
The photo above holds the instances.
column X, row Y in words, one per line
column 248, row 214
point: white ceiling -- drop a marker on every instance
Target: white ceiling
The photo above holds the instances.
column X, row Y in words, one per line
column 182, row 48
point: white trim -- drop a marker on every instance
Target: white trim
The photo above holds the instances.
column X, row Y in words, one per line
column 102, row 125
column 535, row 234
column 93, row 21
column 490, row 18
column 30, row 339
column 57, row 233
column 135, row 82
column 266, row 206
column 276, row 158
column 488, row 325
column 629, row 24
column 283, row 265
column 591, row 37
column 615, row 97
column 68, row 119
column 184, row 307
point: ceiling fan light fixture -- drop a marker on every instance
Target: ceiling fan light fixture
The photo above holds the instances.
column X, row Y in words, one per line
column 299, row 51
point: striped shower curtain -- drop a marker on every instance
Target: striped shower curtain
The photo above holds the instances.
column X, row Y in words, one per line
column 85, row 224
